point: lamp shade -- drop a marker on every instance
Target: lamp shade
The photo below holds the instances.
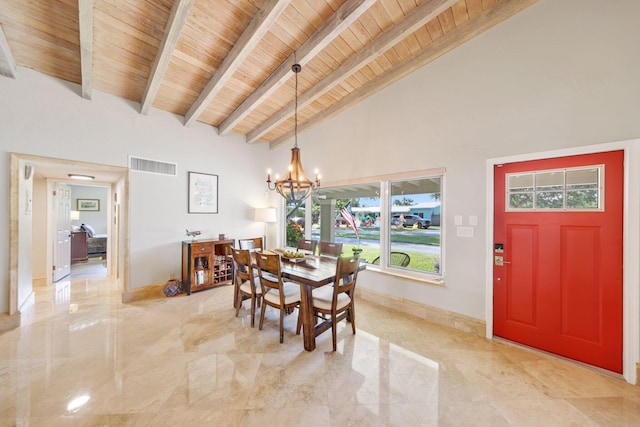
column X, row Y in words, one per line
column 265, row 214
column 75, row 215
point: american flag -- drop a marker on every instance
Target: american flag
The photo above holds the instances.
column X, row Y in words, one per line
column 350, row 220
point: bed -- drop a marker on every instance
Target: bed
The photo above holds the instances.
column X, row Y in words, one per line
column 96, row 243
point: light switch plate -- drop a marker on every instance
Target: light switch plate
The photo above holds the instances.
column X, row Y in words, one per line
column 457, row 220
column 473, row 220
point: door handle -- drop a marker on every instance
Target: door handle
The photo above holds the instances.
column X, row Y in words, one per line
column 499, row 261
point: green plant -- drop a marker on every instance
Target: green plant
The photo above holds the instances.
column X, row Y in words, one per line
column 294, row 233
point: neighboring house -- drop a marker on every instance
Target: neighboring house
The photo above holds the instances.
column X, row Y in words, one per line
column 427, row 210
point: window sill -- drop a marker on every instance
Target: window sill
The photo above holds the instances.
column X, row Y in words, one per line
column 416, row 277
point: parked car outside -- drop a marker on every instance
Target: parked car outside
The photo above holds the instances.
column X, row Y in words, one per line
column 410, row 220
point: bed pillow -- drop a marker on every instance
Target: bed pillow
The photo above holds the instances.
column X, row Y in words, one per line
column 89, row 229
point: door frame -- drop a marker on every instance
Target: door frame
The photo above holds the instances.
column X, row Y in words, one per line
column 631, row 242
column 121, row 251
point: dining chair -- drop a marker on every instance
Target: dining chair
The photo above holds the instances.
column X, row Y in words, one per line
column 330, row 248
column 247, row 285
column 308, row 245
column 275, row 292
column 399, row 259
column 337, row 301
column 253, row 244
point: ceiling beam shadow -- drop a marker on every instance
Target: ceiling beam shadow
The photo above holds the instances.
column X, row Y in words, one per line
column 449, row 41
column 346, row 15
column 424, row 13
column 257, row 28
column 175, row 24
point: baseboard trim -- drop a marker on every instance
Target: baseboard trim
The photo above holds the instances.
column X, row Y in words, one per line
column 432, row 314
column 638, row 374
column 8, row 322
column 154, row 291
column 39, row 281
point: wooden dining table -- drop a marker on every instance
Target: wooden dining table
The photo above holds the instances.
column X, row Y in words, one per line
column 313, row 272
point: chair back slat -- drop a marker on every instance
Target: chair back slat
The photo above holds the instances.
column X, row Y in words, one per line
column 243, row 270
column 330, row 248
column 243, row 275
column 308, row 245
column 346, row 275
column 269, row 272
column 253, row 244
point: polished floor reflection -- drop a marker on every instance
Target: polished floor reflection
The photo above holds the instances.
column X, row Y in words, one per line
column 82, row 358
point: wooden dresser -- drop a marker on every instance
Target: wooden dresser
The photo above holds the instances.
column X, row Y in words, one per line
column 79, row 251
column 206, row 264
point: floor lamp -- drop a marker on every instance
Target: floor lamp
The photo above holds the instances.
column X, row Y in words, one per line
column 265, row 215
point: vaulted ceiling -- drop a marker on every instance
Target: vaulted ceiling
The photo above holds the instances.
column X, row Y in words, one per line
column 227, row 63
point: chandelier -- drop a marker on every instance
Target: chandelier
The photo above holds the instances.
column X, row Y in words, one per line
column 294, row 186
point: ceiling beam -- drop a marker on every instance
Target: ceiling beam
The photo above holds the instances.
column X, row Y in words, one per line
column 7, row 63
column 258, row 27
column 332, row 28
column 424, row 13
column 177, row 19
column 85, row 24
column 449, row 41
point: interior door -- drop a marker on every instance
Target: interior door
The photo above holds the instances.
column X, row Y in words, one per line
column 558, row 256
column 62, row 233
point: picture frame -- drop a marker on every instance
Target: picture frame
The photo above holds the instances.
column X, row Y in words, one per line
column 203, row 193
column 88, row 205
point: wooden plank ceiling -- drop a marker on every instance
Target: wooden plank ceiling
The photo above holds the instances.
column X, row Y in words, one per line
column 227, row 63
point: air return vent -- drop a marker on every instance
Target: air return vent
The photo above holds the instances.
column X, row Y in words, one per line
column 152, row 166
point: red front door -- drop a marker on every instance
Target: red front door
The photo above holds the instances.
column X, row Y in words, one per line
column 557, row 272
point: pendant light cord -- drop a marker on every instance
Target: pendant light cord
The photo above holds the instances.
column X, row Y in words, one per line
column 296, row 69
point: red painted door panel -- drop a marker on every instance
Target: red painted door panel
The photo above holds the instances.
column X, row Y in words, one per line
column 560, row 288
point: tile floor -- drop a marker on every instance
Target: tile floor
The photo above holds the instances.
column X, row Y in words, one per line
column 82, row 358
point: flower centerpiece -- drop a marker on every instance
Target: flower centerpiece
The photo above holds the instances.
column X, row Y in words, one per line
column 352, row 222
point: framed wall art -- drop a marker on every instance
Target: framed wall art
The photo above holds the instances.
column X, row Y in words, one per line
column 88, row 204
column 203, row 193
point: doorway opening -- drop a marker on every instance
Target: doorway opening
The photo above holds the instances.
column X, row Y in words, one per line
column 31, row 237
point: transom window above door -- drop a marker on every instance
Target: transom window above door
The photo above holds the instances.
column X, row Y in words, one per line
column 574, row 189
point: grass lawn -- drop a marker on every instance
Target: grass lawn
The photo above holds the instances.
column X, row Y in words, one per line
column 419, row 261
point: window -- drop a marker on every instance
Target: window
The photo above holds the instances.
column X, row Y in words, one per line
column 415, row 226
column 398, row 220
column 294, row 223
column 565, row 189
column 363, row 203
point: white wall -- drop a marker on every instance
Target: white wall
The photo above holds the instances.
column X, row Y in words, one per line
column 43, row 116
column 97, row 219
column 559, row 74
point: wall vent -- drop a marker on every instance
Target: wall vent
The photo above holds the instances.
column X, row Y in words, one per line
column 152, row 166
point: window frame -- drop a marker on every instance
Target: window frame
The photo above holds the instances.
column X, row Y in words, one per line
column 385, row 182
column 534, row 190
